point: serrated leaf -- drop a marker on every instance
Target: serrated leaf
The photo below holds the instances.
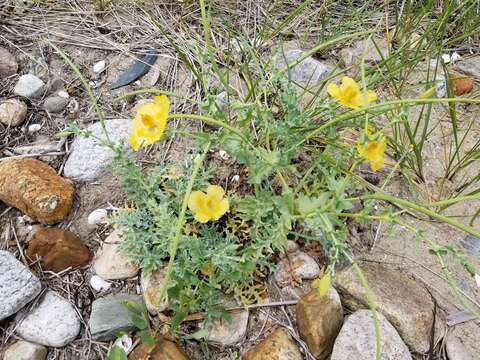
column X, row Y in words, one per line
column 147, row 338
column 139, row 321
column 117, row 353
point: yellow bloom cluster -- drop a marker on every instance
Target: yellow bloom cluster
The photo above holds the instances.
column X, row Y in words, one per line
column 350, row 95
column 209, row 206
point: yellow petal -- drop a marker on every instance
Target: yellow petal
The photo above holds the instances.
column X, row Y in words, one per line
column 221, row 209
column 134, row 140
column 215, row 192
column 333, row 90
column 202, row 217
column 348, row 84
column 163, row 101
column 377, row 163
column 371, row 96
column 196, row 200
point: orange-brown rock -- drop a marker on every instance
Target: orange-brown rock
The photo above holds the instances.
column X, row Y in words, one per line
column 279, row 345
column 58, row 248
column 319, row 320
column 35, row 188
column 462, row 86
column 162, row 350
column 8, row 64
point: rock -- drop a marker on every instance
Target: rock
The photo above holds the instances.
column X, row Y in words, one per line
column 462, row 86
column 296, row 266
column 110, row 263
column 151, row 287
column 309, row 71
column 39, row 147
column 110, row 316
column 357, row 339
column 29, row 86
column 89, row 159
column 470, row 66
column 8, row 64
column 319, row 319
column 377, row 51
column 24, row 350
column 279, row 345
column 55, row 104
column 98, row 284
column 33, row 128
column 53, row 322
column 162, row 350
column 13, row 112
column 99, row 66
column 35, row 188
column 59, row 249
column 97, row 216
column 18, row 286
column 39, row 67
column 405, row 303
column 456, row 350
column 226, row 333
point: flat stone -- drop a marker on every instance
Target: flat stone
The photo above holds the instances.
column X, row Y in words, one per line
column 319, row 320
column 24, row 350
column 469, row 66
column 151, row 287
column 13, row 112
column 8, row 63
column 404, row 302
column 89, row 159
column 38, row 147
column 279, row 345
column 29, row 86
column 18, row 286
column 55, row 104
column 110, row 263
column 227, row 333
column 357, row 339
column 110, row 316
column 53, row 322
column 308, row 72
column 297, row 265
column 163, row 349
column 35, row 188
column 59, row 249
column 456, row 350
column 352, row 56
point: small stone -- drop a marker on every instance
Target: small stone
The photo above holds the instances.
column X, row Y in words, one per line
column 55, row 104
column 38, row 147
column 99, row 67
column 357, row 339
column 462, row 86
column 53, row 322
column 63, row 94
column 8, row 63
column 279, row 345
column 309, row 71
column 33, row 128
column 97, row 216
column 151, row 287
column 470, row 66
column 29, row 86
column 162, row 350
column 377, row 51
column 18, row 286
column 59, row 249
column 90, row 159
column 110, row 263
column 110, row 316
column 13, row 112
column 319, row 319
column 296, row 266
column 227, row 333
column 124, row 342
column 24, row 350
column 98, row 284
column 35, row 188
column 404, row 302
column 456, row 350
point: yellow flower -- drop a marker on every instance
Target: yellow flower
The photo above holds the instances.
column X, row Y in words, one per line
column 149, row 123
column 373, row 151
column 349, row 93
column 323, row 285
column 209, row 206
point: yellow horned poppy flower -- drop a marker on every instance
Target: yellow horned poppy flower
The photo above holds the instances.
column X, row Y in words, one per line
column 209, row 206
column 349, row 93
column 149, row 123
column 373, row 151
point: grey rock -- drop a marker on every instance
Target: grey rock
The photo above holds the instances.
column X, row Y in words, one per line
column 18, row 286
column 24, row 350
column 356, row 340
column 39, row 147
column 53, row 322
column 13, row 112
column 29, row 86
column 376, row 51
column 456, row 350
column 55, row 104
column 296, row 266
column 151, row 289
column 8, row 63
column 109, row 316
column 470, row 66
column 309, row 71
column 90, row 159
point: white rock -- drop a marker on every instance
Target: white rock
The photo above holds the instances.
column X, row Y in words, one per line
column 63, row 94
column 33, row 128
column 99, row 67
column 18, row 286
column 53, row 322
column 29, row 86
column 151, row 287
column 296, row 266
column 97, row 216
column 356, row 340
column 13, row 112
column 456, row 350
column 309, row 71
column 24, row 350
column 90, row 159
column 110, row 263
column 98, row 284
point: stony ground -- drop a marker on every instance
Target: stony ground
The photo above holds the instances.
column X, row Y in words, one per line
column 62, row 280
